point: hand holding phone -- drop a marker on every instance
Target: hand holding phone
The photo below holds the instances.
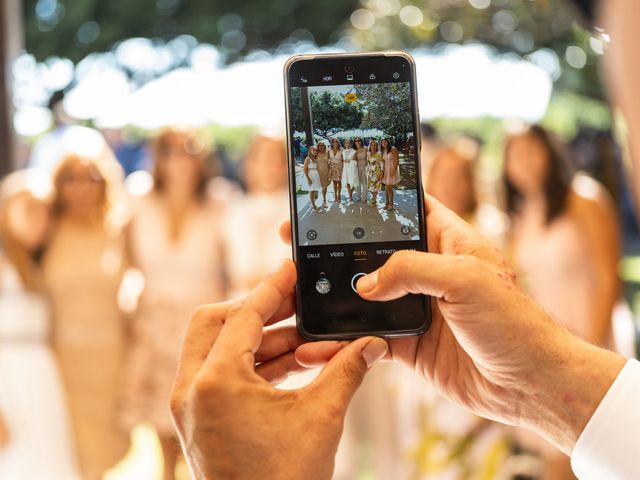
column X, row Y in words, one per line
column 356, row 195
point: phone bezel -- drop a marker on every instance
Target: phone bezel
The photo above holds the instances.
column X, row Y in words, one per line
column 341, row 59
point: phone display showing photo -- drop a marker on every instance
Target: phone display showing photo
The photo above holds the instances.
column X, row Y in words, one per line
column 356, row 194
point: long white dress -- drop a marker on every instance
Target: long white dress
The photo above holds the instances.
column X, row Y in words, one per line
column 350, row 168
column 32, row 400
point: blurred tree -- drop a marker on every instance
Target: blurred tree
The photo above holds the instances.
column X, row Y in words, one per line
column 332, row 114
column 75, row 28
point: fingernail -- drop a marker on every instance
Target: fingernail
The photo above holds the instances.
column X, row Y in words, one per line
column 368, row 282
column 374, row 351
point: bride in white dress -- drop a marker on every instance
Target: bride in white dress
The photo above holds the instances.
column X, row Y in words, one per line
column 37, row 439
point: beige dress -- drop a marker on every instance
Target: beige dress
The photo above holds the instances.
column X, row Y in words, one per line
column 323, row 168
column 83, row 269
column 179, row 274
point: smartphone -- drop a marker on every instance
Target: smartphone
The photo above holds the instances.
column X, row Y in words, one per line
column 355, row 189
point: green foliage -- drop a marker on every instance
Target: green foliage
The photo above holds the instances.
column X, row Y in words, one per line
column 569, row 111
column 263, row 24
column 388, row 108
column 297, row 118
column 332, row 114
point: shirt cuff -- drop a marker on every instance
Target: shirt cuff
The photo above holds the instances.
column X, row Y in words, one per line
column 608, row 446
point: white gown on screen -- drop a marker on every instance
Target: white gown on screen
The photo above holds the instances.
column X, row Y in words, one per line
column 316, row 185
column 350, row 168
column 32, row 400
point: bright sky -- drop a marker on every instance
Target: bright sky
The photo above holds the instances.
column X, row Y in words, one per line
column 462, row 82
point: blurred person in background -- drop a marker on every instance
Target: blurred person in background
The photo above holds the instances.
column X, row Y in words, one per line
column 564, row 241
column 50, row 148
column 35, row 436
column 174, row 240
column 451, row 178
column 83, row 267
column 251, row 221
column 130, row 150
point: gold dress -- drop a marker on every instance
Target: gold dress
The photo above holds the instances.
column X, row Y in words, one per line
column 83, row 268
column 323, row 168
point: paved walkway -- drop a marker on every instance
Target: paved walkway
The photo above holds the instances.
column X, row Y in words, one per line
column 336, row 224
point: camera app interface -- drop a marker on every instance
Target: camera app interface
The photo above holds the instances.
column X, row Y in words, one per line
column 356, row 198
column 355, row 163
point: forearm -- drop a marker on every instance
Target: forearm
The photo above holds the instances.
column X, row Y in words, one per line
column 565, row 391
column 605, row 298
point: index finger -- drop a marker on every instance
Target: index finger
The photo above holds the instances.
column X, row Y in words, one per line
column 242, row 332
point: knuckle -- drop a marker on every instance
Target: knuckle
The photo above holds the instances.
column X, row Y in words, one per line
column 333, row 413
column 237, row 308
column 399, row 263
column 176, row 404
column 202, row 311
column 352, row 373
column 208, row 386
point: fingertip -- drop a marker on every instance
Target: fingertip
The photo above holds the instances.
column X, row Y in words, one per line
column 285, row 232
column 374, row 351
column 316, row 354
column 367, row 283
column 287, row 269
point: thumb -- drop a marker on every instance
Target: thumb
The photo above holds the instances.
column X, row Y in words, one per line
column 343, row 374
column 438, row 275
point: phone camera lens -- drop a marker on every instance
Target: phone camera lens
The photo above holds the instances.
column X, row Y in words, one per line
column 349, row 68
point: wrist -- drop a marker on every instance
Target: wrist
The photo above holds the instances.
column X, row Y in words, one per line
column 569, row 380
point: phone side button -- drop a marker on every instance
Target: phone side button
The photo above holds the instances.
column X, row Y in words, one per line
column 355, row 279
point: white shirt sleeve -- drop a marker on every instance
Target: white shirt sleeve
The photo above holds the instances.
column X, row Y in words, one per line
column 609, row 446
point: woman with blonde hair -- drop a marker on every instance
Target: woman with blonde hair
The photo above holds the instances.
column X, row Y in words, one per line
column 350, row 168
column 83, row 267
column 174, row 239
column 564, row 241
column 35, row 435
column 313, row 177
column 361, row 164
column 335, row 168
column 375, row 166
column 391, row 176
column 323, row 170
column 251, row 221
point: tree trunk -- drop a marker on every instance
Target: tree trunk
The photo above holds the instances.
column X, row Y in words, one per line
column 10, row 41
column 307, row 116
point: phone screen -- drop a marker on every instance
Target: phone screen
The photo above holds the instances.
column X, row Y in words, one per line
column 356, row 190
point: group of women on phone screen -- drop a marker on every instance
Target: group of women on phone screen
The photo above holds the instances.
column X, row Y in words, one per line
column 362, row 169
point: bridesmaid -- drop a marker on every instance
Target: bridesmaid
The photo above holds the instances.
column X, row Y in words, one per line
column 323, row 170
column 374, row 171
column 349, row 168
column 83, row 268
column 35, row 438
column 175, row 240
column 335, row 168
column 313, row 177
column 361, row 161
column 391, row 170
